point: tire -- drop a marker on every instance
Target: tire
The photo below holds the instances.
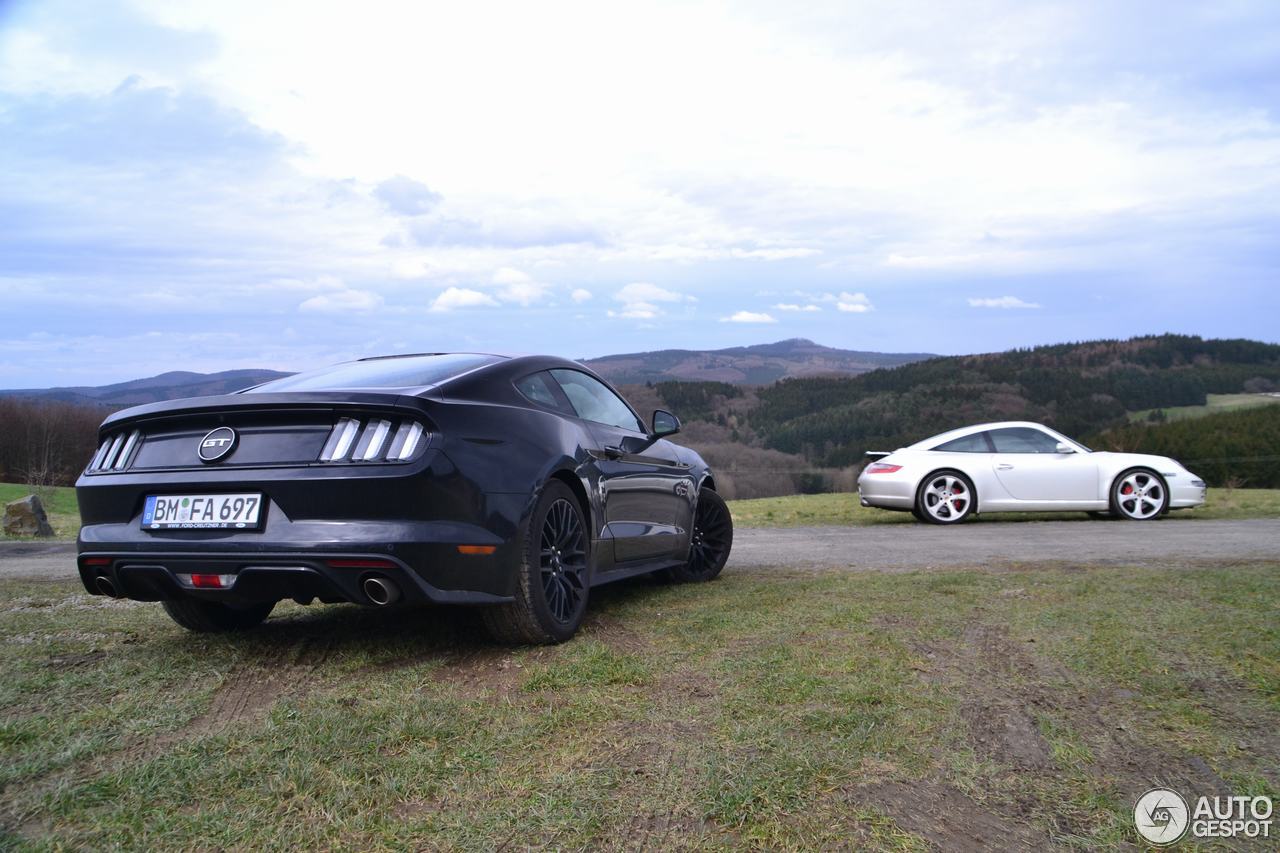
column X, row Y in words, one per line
column 710, row 541
column 212, row 617
column 1139, row 494
column 553, row 579
column 918, row 515
column 945, row 497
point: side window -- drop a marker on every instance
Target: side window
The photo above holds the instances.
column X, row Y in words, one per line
column 1023, row 440
column 593, row 401
column 537, row 387
column 976, row 443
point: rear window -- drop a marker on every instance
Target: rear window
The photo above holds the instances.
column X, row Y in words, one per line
column 537, row 387
column 1023, row 440
column 976, row 443
column 408, row 372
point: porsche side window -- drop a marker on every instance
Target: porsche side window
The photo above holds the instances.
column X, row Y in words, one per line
column 593, row 401
column 537, row 388
column 976, row 443
column 1023, row 440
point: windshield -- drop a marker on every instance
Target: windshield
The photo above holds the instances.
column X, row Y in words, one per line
column 407, row 372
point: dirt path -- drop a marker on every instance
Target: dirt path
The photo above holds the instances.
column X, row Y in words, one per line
column 908, row 547
column 902, row 547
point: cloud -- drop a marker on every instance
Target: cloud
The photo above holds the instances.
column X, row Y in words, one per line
column 501, row 229
column 580, row 295
column 171, row 148
column 638, row 300
column 518, row 287
column 748, row 317
column 854, row 303
column 343, row 301
column 791, row 306
column 1000, row 302
column 406, row 196
column 643, row 291
column 461, row 297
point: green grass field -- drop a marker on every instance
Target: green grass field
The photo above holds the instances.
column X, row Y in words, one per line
column 794, row 510
column 844, row 509
column 1215, row 403
column 796, row 711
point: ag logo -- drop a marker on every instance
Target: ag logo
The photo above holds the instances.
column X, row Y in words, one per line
column 1161, row 816
column 217, row 444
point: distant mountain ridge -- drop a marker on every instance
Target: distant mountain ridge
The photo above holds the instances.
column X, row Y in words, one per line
column 749, row 365
column 167, row 386
column 753, row 365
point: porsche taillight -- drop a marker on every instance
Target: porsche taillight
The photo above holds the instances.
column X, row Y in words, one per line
column 373, row 439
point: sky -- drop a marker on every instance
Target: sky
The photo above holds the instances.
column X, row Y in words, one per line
column 219, row 185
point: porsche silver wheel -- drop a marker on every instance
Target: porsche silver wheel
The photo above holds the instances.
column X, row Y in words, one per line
column 945, row 497
column 1139, row 495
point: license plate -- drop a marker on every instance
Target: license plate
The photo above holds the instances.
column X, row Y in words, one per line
column 202, row 512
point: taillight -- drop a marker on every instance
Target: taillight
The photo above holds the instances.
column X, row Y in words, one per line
column 115, row 452
column 372, row 440
column 882, row 468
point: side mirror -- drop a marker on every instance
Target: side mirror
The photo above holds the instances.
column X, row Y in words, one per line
column 664, row 424
column 1063, row 447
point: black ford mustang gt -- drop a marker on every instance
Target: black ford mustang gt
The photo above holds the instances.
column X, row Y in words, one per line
column 463, row 478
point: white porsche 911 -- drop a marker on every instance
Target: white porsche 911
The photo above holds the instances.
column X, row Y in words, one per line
column 1023, row 467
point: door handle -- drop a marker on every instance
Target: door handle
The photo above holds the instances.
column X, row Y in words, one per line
column 1004, row 466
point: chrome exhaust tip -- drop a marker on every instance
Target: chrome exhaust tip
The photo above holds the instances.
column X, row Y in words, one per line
column 104, row 585
column 381, row 591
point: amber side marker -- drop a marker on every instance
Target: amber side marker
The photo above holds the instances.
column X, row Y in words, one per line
column 477, row 549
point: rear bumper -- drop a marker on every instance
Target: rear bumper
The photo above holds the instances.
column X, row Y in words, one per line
column 331, row 577
column 886, row 491
column 294, row 559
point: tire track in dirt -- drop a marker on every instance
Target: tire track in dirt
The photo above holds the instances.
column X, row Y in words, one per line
column 253, row 687
column 1008, row 687
column 245, row 696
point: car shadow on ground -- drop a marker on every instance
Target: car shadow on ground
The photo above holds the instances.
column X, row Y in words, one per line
column 409, row 632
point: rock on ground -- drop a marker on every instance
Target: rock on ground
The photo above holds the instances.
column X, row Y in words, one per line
column 26, row 517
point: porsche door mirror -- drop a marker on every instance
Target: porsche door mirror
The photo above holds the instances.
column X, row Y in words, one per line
column 1063, row 447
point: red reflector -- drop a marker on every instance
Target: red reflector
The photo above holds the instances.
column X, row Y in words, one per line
column 882, row 468
column 206, row 581
column 477, row 549
column 97, row 561
column 360, row 564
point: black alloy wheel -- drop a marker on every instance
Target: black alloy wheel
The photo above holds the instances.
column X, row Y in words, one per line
column 553, row 579
column 709, row 542
column 563, row 561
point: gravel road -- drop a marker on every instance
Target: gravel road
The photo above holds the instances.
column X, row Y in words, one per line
column 902, row 547
column 907, row 547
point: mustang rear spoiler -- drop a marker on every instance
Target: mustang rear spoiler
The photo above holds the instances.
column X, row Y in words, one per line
column 878, row 454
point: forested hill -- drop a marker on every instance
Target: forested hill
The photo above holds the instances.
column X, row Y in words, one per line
column 752, row 365
column 1077, row 388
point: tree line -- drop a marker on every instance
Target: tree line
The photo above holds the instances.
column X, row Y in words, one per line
column 46, row 443
column 1239, row 448
column 1075, row 388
